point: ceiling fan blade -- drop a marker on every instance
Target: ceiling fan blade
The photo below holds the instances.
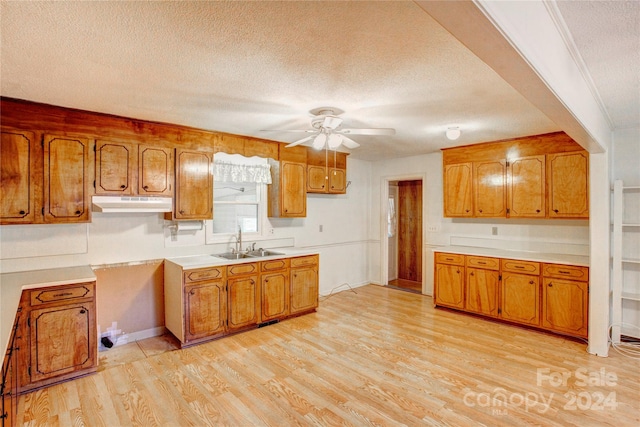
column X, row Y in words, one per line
column 349, row 143
column 374, row 131
column 300, row 141
column 289, row 130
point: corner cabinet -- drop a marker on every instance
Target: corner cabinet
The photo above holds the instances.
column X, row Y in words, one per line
column 194, row 186
column 552, row 297
column 59, row 332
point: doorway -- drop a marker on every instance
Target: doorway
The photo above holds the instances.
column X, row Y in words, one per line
column 404, row 232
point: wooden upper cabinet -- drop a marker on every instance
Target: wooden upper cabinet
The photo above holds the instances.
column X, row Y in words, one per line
column 337, row 181
column 194, row 185
column 568, row 178
column 18, row 153
column 326, row 172
column 316, row 179
column 155, row 171
column 293, row 181
column 458, row 190
column 66, row 179
column 489, row 188
column 526, row 187
column 115, row 167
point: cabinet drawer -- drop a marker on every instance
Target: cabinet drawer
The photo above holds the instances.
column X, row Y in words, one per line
column 483, row 262
column 517, row 266
column 455, row 259
column 63, row 293
column 239, row 269
column 191, row 276
column 566, row 272
column 304, row 261
column 276, row 264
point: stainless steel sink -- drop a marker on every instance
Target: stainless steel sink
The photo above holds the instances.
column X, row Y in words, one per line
column 231, row 255
column 263, row 252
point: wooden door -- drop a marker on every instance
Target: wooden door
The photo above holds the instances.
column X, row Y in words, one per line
column 294, row 184
column 316, row 179
column 526, row 187
column 61, row 340
column 565, row 306
column 205, row 310
column 458, row 192
column 337, row 181
column 243, row 300
column 274, row 295
column 520, row 298
column 18, row 179
column 115, row 167
column 482, row 291
column 449, row 285
column 304, row 289
column 410, row 230
column 66, row 179
column 194, row 182
column 568, row 176
column 155, row 169
column 489, row 184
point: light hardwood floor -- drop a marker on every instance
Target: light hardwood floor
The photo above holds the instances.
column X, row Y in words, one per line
column 376, row 356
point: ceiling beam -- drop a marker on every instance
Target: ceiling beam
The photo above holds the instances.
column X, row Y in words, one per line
column 522, row 43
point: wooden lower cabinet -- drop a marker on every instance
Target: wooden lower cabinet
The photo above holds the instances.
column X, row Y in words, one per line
column 520, row 298
column 205, row 310
column 202, row 304
column 482, row 291
column 304, row 284
column 552, row 297
column 60, row 333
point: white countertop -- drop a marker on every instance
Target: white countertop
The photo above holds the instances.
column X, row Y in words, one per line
column 12, row 285
column 203, row 261
column 519, row 255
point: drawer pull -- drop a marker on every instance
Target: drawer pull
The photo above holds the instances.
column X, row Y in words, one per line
column 564, row 272
column 63, row 294
column 481, row 262
column 449, row 259
column 519, row 266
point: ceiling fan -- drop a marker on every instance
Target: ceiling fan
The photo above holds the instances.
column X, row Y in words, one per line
column 327, row 132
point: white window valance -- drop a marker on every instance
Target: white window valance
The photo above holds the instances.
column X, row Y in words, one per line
column 236, row 168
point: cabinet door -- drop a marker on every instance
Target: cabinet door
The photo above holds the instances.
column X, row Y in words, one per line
column 526, row 187
column 489, row 188
column 63, row 340
column 205, row 309
column 520, row 298
column 275, row 295
column 564, row 306
column 458, row 190
column 482, row 291
column 316, row 179
column 304, row 289
column 337, row 181
column 66, row 178
column 17, row 176
column 194, row 181
column 568, row 176
column 155, row 171
column 449, row 286
column 243, row 302
column 294, row 184
column 115, row 167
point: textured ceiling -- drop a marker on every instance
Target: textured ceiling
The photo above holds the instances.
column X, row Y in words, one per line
column 241, row 67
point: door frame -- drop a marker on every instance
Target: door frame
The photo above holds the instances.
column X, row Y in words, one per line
column 384, row 212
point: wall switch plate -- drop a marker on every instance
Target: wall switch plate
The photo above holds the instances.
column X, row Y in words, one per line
column 320, row 228
column 494, row 231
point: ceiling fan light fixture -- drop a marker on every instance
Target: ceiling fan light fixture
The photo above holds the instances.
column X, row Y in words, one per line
column 453, row 133
column 331, row 122
column 318, row 141
column 334, row 141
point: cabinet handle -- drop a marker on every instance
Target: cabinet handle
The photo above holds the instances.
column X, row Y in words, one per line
column 550, row 285
column 322, row 185
column 519, row 266
column 471, row 274
column 123, row 186
column 83, row 311
column 145, row 187
column 564, row 272
column 192, row 292
column 253, row 283
column 22, row 212
column 77, row 212
column 531, row 282
column 556, row 210
column 481, row 262
column 467, row 210
column 458, row 271
column 537, row 210
column 181, row 212
column 479, row 210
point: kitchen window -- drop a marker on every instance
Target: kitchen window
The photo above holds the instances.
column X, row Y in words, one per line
column 239, row 197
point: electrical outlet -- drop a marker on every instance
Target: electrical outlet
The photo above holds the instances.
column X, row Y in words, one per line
column 433, row 228
column 271, row 231
column 494, row 231
column 320, row 228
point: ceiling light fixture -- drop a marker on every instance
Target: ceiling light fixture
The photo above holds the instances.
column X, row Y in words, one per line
column 334, row 141
column 319, row 140
column 453, row 133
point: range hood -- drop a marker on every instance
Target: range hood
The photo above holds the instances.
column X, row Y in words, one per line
column 131, row 204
